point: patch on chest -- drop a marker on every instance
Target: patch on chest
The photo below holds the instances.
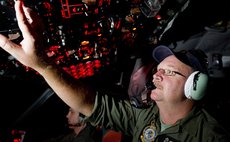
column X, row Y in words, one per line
column 149, row 133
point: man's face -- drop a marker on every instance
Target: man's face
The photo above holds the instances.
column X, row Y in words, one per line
column 73, row 118
column 169, row 80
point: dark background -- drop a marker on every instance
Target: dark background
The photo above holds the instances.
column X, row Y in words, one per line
column 24, row 96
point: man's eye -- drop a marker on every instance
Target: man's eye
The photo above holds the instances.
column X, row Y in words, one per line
column 167, row 71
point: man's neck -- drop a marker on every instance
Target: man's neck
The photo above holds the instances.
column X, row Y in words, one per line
column 170, row 114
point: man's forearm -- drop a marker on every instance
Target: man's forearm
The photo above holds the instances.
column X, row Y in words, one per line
column 73, row 92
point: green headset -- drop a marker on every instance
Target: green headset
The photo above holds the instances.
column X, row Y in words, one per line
column 196, row 85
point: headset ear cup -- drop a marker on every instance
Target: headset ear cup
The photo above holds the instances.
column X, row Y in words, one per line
column 196, row 85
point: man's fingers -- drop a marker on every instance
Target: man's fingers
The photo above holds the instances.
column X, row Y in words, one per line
column 21, row 17
column 3, row 41
column 8, row 45
column 34, row 20
column 89, row 1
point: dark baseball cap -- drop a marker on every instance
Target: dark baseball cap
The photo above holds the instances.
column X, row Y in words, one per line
column 193, row 58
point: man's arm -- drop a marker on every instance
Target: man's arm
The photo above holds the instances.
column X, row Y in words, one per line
column 30, row 52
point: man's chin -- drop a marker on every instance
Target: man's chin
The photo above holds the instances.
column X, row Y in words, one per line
column 154, row 94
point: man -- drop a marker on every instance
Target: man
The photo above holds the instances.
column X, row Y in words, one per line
column 82, row 131
column 172, row 117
